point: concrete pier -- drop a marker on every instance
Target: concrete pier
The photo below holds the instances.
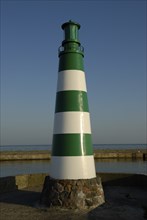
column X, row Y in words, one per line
column 19, row 199
column 98, row 154
column 25, row 155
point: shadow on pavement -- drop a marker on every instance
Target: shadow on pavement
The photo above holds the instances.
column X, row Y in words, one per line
column 21, row 197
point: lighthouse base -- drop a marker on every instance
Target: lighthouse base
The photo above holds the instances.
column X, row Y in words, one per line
column 72, row 194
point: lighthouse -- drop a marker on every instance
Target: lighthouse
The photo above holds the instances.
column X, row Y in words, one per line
column 72, row 154
column 72, row 182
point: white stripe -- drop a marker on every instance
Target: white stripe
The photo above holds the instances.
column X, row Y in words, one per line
column 72, row 122
column 75, row 167
column 71, row 80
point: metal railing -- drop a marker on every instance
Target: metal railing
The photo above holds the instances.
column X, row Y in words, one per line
column 70, row 49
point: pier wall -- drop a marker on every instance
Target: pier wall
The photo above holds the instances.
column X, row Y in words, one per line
column 98, row 154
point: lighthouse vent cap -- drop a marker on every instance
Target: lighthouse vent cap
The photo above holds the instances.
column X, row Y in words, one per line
column 70, row 22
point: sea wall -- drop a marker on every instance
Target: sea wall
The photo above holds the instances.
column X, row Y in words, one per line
column 25, row 155
column 98, row 154
column 11, row 183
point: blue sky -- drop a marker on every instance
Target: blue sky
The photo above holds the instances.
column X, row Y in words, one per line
column 113, row 34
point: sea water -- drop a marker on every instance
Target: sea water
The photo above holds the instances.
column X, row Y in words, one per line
column 12, row 168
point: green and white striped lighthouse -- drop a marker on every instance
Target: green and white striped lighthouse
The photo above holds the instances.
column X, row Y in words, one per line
column 72, row 153
column 72, row 182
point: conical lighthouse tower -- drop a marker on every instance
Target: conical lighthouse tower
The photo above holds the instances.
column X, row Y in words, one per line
column 72, row 154
column 72, row 173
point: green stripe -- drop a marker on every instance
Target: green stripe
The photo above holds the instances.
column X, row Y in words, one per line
column 71, row 101
column 71, row 61
column 72, row 145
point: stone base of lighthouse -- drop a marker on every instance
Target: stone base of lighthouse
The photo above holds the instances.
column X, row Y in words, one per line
column 72, row 194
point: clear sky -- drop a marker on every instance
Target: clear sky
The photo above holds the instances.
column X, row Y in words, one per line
column 113, row 34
